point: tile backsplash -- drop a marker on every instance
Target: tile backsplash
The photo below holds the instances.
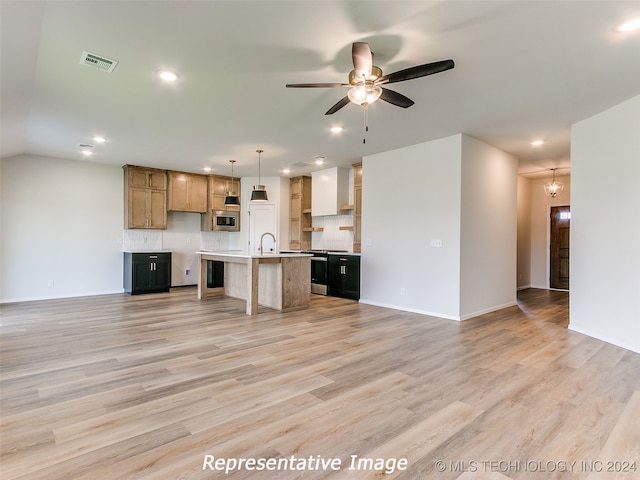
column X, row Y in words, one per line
column 332, row 238
column 142, row 240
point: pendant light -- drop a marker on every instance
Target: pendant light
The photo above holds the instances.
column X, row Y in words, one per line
column 232, row 198
column 553, row 188
column 259, row 193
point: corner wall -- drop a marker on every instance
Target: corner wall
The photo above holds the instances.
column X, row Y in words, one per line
column 409, row 197
column 457, row 191
column 61, row 228
column 488, row 234
column 605, row 226
column 524, row 234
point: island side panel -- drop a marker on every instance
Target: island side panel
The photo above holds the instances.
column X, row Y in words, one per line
column 252, row 286
column 296, row 283
column 235, row 280
column 270, row 288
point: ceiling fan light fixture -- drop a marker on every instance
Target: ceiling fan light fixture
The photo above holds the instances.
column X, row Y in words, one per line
column 364, row 94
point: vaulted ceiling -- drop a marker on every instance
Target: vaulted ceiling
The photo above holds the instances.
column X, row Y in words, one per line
column 525, row 70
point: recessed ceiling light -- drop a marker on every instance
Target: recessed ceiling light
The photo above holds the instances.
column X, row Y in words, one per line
column 286, row 171
column 537, row 143
column 207, row 169
column 629, row 25
column 319, row 159
column 336, row 129
column 168, row 75
column 99, row 139
column 87, row 153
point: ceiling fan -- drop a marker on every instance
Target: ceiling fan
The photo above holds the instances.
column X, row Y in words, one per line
column 365, row 80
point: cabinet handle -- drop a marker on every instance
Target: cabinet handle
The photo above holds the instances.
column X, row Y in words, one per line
column 153, row 256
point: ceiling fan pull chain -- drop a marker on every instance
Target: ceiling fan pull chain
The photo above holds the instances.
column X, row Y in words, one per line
column 366, row 123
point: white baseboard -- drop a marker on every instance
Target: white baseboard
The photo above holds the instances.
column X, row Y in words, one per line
column 55, row 297
column 411, row 310
column 612, row 341
column 488, row 310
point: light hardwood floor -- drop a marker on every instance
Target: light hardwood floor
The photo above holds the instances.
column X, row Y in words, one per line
column 145, row 387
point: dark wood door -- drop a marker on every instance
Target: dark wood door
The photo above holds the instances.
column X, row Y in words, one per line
column 559, row 247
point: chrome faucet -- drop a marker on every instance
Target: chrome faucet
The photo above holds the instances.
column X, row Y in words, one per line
column 262, row 238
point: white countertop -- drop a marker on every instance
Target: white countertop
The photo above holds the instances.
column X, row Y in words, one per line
column 242, row 254
column 148, row 251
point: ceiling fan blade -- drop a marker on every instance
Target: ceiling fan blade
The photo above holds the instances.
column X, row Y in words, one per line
column 396, row 98
column 338, row 106
column 315, row 85
column 416, row 72
column 362, row 59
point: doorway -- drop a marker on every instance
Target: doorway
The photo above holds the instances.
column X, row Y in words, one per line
column 262, row 219
column 559, row 247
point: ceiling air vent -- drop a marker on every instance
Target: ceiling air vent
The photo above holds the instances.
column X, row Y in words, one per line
column 96, row 61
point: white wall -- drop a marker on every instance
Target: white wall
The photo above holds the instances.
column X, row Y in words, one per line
column 605, row 226
column 456, row 190
column 62, row 224
column 488, row 231
column 182, row 237
column 540, row 227
column 524, row 233
column 61, row 228
column 409, row 197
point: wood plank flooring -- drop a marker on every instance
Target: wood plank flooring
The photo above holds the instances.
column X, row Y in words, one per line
column 154, row 386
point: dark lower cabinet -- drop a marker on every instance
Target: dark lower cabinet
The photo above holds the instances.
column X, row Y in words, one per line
column 147, row 272
column 215, row 274
column 344, row 276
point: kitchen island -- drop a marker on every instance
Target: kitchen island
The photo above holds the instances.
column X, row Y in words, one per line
column 278, row 281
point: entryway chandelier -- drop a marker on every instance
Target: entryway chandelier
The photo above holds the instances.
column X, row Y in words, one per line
column 553, row 188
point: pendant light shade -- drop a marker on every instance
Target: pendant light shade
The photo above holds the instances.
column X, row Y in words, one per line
column 259, row 193
column 232, row 197
column 553, row 188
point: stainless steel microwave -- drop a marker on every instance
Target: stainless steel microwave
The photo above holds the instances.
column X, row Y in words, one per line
column 226, row 221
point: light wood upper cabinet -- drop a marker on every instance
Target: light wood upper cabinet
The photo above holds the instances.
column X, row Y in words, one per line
column 145, row 198
column 357, row 207
column 187, row 192
column 219, row 185
column 300, row 213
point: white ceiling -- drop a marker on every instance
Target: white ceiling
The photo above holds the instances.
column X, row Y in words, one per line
column 524, row 70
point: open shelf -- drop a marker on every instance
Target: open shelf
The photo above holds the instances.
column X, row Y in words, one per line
column 347, row 227
column 347, row 207
column 313, row 229
column 306, row 210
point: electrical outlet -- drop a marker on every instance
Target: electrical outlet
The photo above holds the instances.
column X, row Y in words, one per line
column 187, row 272
column 51, row 283
column 403, row 292
column 436, row 243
